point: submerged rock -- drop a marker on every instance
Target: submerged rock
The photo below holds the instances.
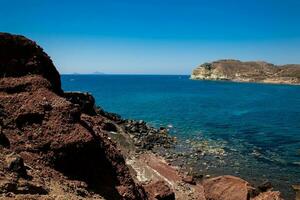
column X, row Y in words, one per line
column 148, row 137
column 265, row 186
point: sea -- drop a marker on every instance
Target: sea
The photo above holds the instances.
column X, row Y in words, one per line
column 256, row 127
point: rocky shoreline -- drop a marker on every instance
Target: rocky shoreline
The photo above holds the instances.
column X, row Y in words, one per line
column 238, row 71
column 59, row 145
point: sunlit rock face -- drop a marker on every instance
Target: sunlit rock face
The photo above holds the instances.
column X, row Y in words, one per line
column 235, row 70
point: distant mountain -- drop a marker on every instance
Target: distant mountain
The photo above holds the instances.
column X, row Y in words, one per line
column 252, row 71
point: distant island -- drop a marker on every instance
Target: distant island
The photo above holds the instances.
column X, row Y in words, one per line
column 252, row 71
column 98, row 73
column 92, row 73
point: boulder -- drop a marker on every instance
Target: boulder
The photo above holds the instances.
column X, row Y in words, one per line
column 227, row 188
column 265, row 186
column 189, row 180
column 159, row 190
column 85, row 100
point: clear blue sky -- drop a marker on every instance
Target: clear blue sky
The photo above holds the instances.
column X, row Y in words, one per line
column 156, row 36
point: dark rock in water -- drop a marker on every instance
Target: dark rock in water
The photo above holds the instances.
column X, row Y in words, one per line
column 20, row 56
column 159, row 191
column 85, row 100
column 148, row 137
column 265, row 186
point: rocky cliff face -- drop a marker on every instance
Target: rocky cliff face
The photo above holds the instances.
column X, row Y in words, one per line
column 20, row 57
column 52, row 144
column 235, row 70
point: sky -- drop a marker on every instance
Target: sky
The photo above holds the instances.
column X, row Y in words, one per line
column 155, row 36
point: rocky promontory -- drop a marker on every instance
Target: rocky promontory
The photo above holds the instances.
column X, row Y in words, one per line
column 235, row 70
column 58, row 145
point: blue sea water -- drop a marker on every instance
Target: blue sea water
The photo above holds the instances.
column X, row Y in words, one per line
column 258, row 125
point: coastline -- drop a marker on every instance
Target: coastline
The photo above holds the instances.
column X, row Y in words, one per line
column 56, row 144
column 179, row 167
column 267, row 171
column 195, row 78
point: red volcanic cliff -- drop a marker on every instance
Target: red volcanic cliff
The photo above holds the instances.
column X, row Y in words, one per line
column 48, row 145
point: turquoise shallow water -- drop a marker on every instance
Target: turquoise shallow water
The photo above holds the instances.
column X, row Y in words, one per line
column 258, row 125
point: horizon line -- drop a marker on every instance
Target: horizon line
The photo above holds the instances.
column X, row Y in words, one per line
column 120, row 74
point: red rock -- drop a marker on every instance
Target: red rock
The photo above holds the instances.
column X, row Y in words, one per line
column 159, row 190
column 227, row 188
column 20, row 56
column 189, row 179
column 270, row 195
